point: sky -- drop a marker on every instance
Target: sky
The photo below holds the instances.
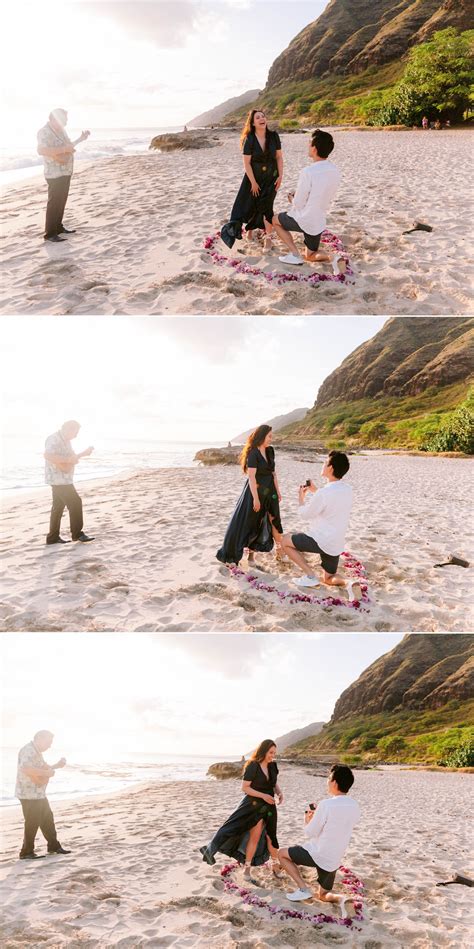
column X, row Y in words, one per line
column 171, row 379
column 142, row 63
column 183, row 694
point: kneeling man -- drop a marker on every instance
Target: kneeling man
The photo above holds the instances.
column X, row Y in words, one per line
column 317, row 186
column 328, row 830
column 327, row 510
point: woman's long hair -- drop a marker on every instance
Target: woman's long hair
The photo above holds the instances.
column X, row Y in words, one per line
column 254, row 440
column 261, row 751
column 250, row 127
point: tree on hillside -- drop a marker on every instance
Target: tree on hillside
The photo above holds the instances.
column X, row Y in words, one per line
column 437, row 82
column 457, row 433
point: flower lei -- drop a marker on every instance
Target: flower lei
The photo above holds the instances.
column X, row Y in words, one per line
column 354, row 568
column 241, row 267
column 350, row 881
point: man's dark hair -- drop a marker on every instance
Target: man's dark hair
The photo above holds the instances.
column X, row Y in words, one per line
column 323, row 143
column 343, row 777
column 339, row 463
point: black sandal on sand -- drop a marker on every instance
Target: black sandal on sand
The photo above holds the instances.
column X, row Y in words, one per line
column 453, row 562
column 457, row 878
column 206, row 856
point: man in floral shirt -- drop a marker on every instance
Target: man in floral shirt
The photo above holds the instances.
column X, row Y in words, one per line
column 60, row 462
column 57, row 150
column 32, row 780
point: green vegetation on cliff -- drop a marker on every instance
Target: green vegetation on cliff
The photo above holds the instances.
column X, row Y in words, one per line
column 442, row 736
column 427, row 421
column 332, row 100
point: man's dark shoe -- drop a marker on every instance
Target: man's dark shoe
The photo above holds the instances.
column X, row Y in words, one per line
column 58, row 541
column 59, row 850
column 66, row 230
column 206, row 856
column 32, row 856
column 84, row 538
column 55, row 239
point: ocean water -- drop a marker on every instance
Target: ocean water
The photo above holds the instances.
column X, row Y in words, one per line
column 19, row 159
column 22, row 464
column 84, row 776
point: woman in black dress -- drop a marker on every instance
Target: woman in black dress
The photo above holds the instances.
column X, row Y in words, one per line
column 249, row 835
column 263, row 164
column 256, row 522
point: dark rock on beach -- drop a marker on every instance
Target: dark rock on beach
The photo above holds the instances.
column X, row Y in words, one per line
column 182, row 141
column 218, row 456
column 226, row 769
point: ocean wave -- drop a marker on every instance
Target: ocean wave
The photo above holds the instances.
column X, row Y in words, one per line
column 12, row 163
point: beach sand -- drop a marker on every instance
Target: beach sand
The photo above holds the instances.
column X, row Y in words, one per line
column 152, row 566
column 135, row 877
column 141, row 222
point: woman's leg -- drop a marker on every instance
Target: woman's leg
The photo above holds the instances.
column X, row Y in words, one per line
column 274, row 854
column 252, row 844
column 277, row 538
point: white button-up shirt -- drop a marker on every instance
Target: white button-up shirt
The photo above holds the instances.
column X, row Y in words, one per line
column 317, row 186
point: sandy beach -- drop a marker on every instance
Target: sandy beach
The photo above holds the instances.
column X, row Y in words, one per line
column 135, row 877
column 142, row 220
column 152, row 566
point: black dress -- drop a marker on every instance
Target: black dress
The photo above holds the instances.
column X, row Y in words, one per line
column 249, row 209
column 232, row 837
column 248, row 528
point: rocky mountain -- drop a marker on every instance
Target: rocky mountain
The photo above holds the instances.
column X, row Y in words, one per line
column 352, row 35
column 395, row 390
column 422, row 672
column 404, row 358
column 213, row 116
column 414, row 704
column 298, row 734
column 277, row 423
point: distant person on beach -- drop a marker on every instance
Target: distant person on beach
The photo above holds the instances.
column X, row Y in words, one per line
column 425, row 123
column 61, row 461
column 255, row 523
column 57, row 150
column 263, row 164
column 249, row 835
column 33, row 775
column 317, row 187
column 328, row 829
column 327, row 511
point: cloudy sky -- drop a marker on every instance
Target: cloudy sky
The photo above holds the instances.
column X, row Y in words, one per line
column 138, row 63
column 175, row 378
column 181, row 694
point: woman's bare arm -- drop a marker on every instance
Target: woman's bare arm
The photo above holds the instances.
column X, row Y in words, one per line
column 252, row 476
column 279, row 160
column 250, row 175
column 275, row 479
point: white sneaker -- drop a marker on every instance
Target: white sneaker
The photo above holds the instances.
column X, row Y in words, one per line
column 291, row 259
column 298, row 895
column 338, row 265
column 306, row 582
